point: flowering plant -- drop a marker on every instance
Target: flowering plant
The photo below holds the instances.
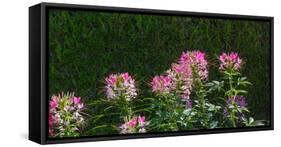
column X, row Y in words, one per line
column 65, row 115
column 161, row 85
column 121, row 95
column 230, row 61
column 120, row 86
column 180, row 77
column 184, row 99
column 136, row 124
column 236, row 106
column 175, row 88
column 120, row 91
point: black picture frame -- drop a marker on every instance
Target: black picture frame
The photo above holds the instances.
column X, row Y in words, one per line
column 38, row 80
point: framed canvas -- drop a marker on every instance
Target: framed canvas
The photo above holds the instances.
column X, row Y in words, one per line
column 103, row 73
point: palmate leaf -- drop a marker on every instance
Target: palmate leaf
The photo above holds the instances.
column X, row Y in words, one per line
column 230, row 92
column 230, row 74
column 243, row 81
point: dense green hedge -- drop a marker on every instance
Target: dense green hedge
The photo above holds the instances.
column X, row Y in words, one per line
column 86, row 46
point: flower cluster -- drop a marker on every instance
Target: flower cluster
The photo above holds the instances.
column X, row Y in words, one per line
column 239, row 101
column 186, row 77
column 120, row 86
column 65, row 115
column 161, row 84
column 179, row 79
column 135, row 125
column 197, row 61
column 230, row 61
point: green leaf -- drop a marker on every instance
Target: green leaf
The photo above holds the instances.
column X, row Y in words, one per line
column 141, row 110
column 243, row 78
column 187, row 112
column 150, row 99
column 241, row 91
column 115, row 127
column 108, row 108
column 244, row 109
column 251, row 120
column 214, row 124
column 97, row 127
column 216, row 82
column 258, row 123
column 209, row 84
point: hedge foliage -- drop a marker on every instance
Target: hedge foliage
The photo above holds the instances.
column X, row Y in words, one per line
column 87, row 46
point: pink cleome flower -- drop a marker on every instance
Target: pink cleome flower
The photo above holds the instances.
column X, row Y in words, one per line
column 76, row 100
column 136, row 124
column 230, row 61
column 191, row 64
column 63, row 110
column 54, row 102
column 161, row 84
column 133, row 122
column 141, row 120
column 197, row 61
column 120, row 85
column 181, row 81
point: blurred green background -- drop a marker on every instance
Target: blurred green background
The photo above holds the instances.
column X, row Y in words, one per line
column 87, row 46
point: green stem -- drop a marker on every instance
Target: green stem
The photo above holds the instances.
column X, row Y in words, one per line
column 125, row 108
column 233, row 119
column 201, row 98
column 230, row 82
column 232, row 115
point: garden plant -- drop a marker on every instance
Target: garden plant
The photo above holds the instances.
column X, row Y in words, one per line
column 180, row 102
